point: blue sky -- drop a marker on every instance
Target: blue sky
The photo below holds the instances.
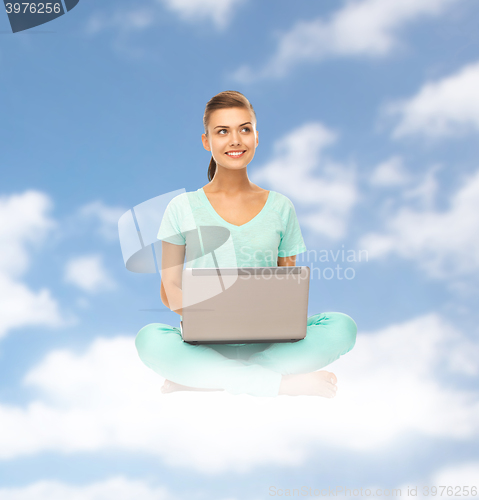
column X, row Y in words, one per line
column 368, row 118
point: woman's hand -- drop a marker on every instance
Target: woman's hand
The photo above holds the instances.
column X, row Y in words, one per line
column 287, row 261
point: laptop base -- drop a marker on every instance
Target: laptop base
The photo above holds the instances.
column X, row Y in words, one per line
column 268, row 341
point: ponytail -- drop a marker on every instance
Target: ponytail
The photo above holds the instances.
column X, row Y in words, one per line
column 211, row 169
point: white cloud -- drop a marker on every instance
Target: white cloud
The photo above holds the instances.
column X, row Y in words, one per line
column 461, row 475
column 24, row 221
column 219, row 12
column 299, row 170
column 446, row 480
column 124, row 20
column 390, row 173
column 88, row 273
column 106, row 215
column 24, row 224
column 129, row 20
column 115, row 488
column 444, row 243
column 448, row 107
column 106, row 399
column 426, row 190
column 20, row 306
column 365, row 28
column 393, row 387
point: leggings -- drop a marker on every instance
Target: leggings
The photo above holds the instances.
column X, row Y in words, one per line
column 255, row 369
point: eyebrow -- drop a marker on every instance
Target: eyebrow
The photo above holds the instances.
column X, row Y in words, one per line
column 226, row 126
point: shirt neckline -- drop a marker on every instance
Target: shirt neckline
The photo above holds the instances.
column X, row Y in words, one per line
column 218, row 216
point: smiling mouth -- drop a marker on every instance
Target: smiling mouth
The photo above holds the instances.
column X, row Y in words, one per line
column 235, row 154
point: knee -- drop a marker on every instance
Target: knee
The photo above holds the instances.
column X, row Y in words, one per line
column 346, row 329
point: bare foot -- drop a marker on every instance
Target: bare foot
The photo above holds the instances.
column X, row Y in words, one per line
column 321, row 383
column 170, row 386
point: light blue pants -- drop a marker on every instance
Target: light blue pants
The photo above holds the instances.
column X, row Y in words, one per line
column 254, row 369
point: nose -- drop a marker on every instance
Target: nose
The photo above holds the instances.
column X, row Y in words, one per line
column 235, row 139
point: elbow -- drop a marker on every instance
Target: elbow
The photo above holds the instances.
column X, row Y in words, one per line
column 163, row 296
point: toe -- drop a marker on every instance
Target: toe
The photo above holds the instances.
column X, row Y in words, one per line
column 166, row 387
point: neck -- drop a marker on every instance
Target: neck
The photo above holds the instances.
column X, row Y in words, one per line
column 230, row 181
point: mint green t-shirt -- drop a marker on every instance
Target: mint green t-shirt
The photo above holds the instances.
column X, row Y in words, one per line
column 273, row 233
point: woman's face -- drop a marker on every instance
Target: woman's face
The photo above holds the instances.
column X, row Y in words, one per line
column 232, row 137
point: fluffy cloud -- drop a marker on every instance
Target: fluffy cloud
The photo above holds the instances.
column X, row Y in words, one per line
column 115, row 488
column 448, row 107
column 106, row 216
column 217, row 11
column 20, row 306
column 366, row 28
column 444, row 243
column 124, row 20
column 461, row 475
column 298, row 170
column 446, row 480
column 88, row 273
column 390, row 384
column 390, row 173
column 24, row 224
column 129, row 20
column 120, row 488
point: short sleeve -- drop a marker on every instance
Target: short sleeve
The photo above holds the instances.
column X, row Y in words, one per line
column 292, row 242
column 170, row 225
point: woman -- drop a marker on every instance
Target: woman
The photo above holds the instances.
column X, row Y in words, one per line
column 264, row 231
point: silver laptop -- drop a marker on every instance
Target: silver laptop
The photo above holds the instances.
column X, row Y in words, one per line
column 245, row 305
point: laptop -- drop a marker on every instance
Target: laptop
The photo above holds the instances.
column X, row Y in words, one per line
column 245, row 305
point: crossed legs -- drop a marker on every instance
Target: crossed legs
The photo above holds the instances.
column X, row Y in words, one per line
column 272, row 369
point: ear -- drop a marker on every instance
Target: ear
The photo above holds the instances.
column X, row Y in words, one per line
column 257, row 139
column 206, row 143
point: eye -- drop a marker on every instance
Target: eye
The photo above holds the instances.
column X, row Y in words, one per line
column 222, row 130
column 247, row 129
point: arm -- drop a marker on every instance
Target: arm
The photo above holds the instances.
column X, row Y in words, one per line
column 287, row 261
column 172, row 260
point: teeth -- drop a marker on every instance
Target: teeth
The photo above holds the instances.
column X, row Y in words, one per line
column 235, row 154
